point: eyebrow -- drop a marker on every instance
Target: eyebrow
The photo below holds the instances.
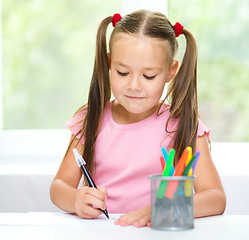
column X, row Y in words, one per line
column 146, row 68
column 120, row 64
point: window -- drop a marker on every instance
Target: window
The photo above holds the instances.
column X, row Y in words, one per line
column 48, row 54
column 222, row 33
column 48, row 51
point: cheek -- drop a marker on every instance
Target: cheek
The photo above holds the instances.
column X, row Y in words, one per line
column 156, row 90
column 116, row 84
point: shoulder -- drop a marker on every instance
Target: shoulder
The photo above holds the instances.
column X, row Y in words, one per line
column 173, row 123
column 203, row 129
column 164, row 115
column 76, row 122
column 164, row 108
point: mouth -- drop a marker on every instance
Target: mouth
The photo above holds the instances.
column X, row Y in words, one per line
column 134, row 97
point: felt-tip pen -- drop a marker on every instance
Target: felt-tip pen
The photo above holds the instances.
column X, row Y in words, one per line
column 79, row 159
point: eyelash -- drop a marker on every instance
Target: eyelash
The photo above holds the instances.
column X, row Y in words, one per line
column 122, row 74
column 126, row 73
column 149, row 77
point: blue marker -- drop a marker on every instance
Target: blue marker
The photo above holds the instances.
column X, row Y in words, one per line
column 165, row 155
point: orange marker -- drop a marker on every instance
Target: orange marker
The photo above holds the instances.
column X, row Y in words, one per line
column 172, row 185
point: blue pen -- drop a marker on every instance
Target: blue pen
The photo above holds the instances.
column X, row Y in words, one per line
column 165, row 155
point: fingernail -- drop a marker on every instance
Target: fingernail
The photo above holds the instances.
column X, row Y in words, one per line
column 136, row 224
column 124, row 224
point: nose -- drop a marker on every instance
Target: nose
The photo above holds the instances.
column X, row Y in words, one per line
column 135, row 83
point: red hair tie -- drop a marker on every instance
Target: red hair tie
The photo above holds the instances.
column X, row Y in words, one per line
column 116, row 18
column 178, row 29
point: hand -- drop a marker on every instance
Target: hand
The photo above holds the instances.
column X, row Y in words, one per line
column 139, row 218
column 89, row 201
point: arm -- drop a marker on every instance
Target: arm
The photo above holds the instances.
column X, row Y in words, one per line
column 64, row 193
column 209, row 197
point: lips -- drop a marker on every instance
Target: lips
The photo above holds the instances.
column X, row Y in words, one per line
column 134, row 97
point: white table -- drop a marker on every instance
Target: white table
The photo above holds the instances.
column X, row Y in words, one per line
column 67, row 226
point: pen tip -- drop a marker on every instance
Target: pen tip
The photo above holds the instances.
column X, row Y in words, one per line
column 106, row 213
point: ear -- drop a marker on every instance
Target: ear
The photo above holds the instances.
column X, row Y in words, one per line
column 172, row 70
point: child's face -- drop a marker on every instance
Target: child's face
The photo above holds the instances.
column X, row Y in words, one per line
column 139, row 70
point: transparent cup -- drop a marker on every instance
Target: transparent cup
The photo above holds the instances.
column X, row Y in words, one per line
column 172, row 202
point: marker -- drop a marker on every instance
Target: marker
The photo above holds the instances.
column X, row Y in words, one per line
column 165, row 155
column 163, row 163
column 196, row 160
column 188, row 160
column 166, row 172
column 178, row 172
column 188, row 172
column 188, row 183
column 188, row 167
column 79, row 159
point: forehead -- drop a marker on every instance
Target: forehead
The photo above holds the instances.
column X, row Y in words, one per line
column 127, row 47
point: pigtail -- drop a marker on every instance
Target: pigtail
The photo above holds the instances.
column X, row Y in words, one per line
column 183, row 90
column 99, row 94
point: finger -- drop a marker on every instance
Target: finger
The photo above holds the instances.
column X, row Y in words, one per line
column 127, row 219
column 94, row 201
column 142, row 222
column 103, row 191
column 88, row 203
column 93, row 196
column 88, row 211
column 137, row 218
column 95, row 192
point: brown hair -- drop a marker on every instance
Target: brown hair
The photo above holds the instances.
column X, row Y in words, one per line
column 182, row 93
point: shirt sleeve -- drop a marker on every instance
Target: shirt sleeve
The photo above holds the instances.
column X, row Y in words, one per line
column 203, row 129
column 75, row 124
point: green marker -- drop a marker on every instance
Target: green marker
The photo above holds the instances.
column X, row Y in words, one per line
column 166, row 172
column 187, row 168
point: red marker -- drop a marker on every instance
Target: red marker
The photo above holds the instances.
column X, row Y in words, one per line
column 162, row 162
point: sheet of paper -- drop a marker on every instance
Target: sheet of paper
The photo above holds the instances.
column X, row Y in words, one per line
column 53, row 219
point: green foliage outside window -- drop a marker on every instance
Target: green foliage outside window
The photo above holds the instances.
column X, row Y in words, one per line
column 222, row 33
column 48, row 52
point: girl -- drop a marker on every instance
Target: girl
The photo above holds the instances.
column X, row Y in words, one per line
column 121, row 139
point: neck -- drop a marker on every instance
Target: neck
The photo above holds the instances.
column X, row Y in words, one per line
column 121, row 116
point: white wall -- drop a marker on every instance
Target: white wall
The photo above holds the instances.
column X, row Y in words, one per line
column 29, row 159
column 1, row 85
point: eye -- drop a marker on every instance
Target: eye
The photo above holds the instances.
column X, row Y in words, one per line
column 122, row 73
column 149, row 77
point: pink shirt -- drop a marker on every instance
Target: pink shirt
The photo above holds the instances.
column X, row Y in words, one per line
column 125, row 155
